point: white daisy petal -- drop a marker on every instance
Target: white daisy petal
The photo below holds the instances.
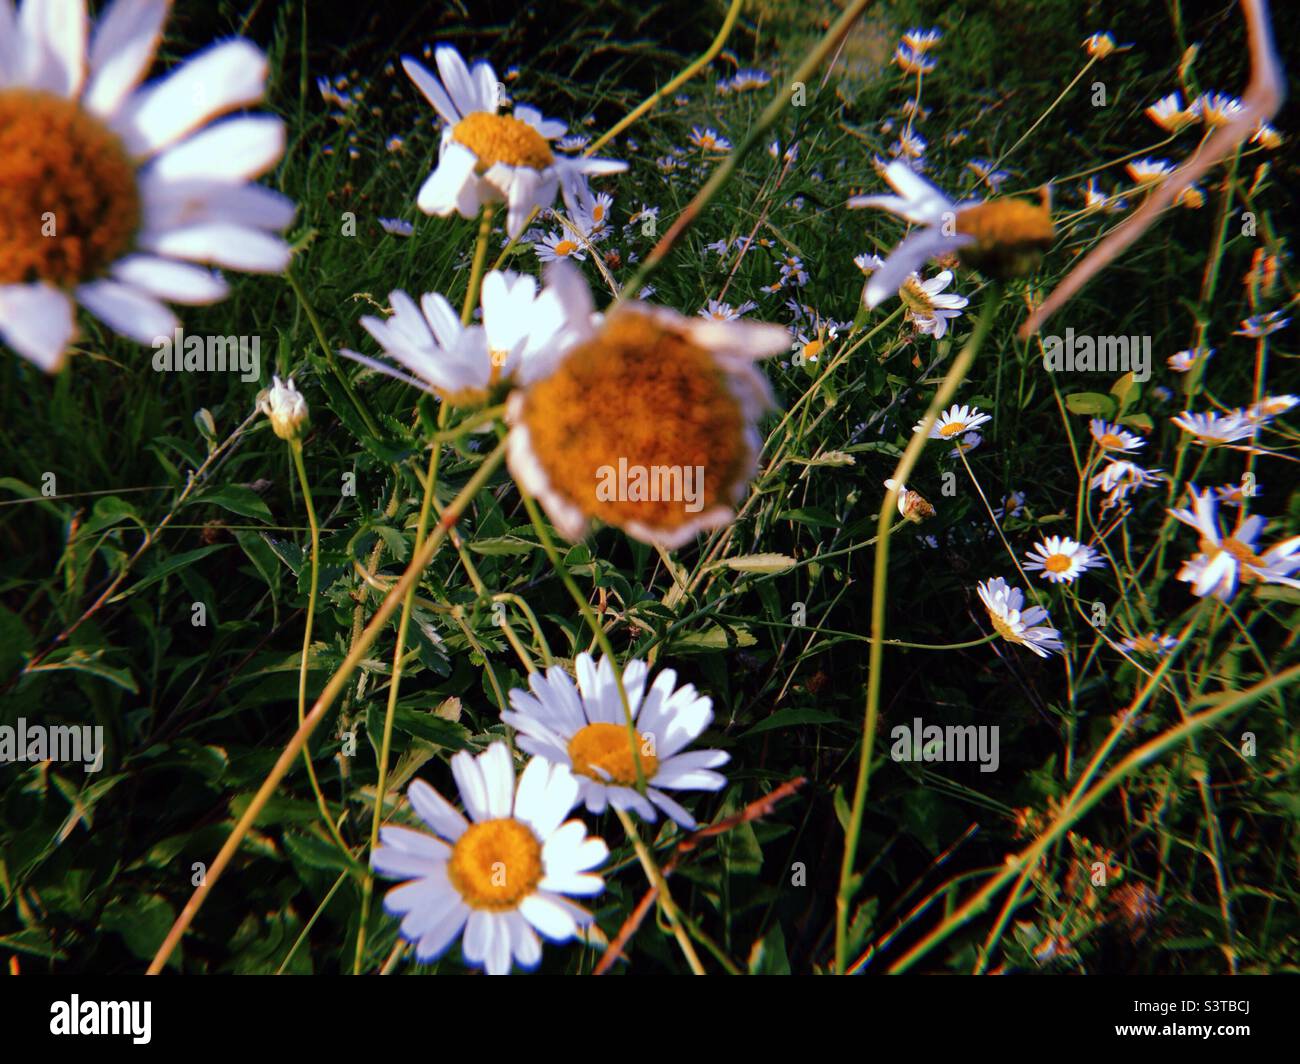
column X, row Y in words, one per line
column 225, row 77
column 236, row 149
column 121, row 49
column 172, row 281
column 232, row 246
column 55, row 33
column 36, row 321
column 436, row 811
column 548, row 916
column 127, row 310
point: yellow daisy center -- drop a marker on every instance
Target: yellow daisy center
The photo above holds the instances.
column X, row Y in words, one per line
column 1010, row 236
column 641, row 397
column 1234, row 547
column 502, row 139
column 812, row 349
column 953, row 428
column 496, row 864
column 915, row 298
column 1110, row 441
column 69, row 203
column 607, row 748
column 1145, row 645
column 1057, row 563
column 565, row 247
column 1004, row 629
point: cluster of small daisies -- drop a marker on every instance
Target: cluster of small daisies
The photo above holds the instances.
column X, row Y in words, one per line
column 503, row 872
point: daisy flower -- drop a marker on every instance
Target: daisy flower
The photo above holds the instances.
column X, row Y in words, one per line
column 1235, row 494
column 584, row 730
column 1095, row 199
column 983, row 169
column 1153, row 644
column 868, row 263
column 1012, row 506
column 522, row 335
column 709, row 140
column 1224, row 562
column 1005, row 606
column 487, row 157
column 1266, row 137
column 1185, row 360
column 719, row 311
column 927, row 308
column 499, row 878
column 1113, row 439
column 747, row 79
column 954, row 421
column 396, row 226
column 1170, row 115
column 666, row 402
column 1061, row 559
column 555, row 246
column 810, row 343
column 1211, row 429
column 109, row 190
column 1004, row 237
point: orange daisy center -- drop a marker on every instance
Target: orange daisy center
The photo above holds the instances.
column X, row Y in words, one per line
column 69, row 202
column 502, row 139
column 639, row 396
column 603, row 752
column 496, row 864
column 1010, row 235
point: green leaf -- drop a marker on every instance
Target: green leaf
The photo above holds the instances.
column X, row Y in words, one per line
column 92, row 663
column 503, row 545
column 162, row 569
column 1091, row 403
column 237, row 499
column 791, row 717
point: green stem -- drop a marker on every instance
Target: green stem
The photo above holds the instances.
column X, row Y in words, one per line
column 956, row 374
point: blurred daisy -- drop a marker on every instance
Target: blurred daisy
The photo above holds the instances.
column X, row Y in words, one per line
column 928, row 308
column 1120, row 479
column 1149, row 171
column 1236, row 494
column 1271, row 406
column 725, row 311
column 867, row 263
column 1114, row 439
column 954, row 421
column 1217, row 108
column 811, row 341
column 1153, row 644
column 584, row 729
column 1004, row 237
column 500, row 878
column 522, row 335
column 1099, row 45
column 1095, row 199
column 1005, row 606
column 983, row 169
column 487, row 157
column 922, row 40
column 966, row 444
column 1262, row 325
column 1013, row 505
column 675, row 398
column 746, row 79
column 709, row 140
column 1193, row 356
column 1224, row 562
column 1213, row 429
column 110, row 190
column 1266, row 137
column 1170, row 115
column 1061, row 559
column 912, row 62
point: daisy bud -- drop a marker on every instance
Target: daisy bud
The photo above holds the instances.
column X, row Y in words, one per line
column 911, row 504
column 286, row 408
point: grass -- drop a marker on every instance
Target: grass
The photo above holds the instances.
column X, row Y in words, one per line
column 1135, row 765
